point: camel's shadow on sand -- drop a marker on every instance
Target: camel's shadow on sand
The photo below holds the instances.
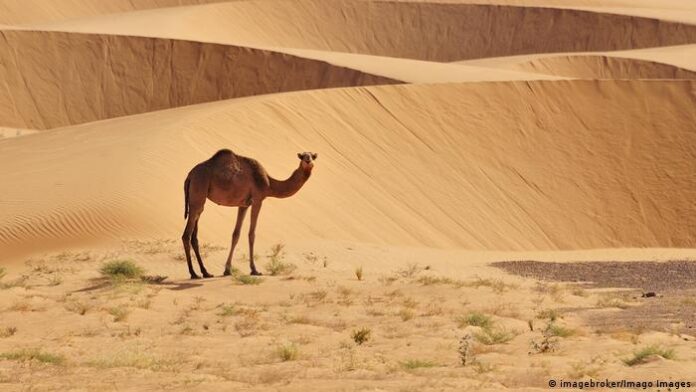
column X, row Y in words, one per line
column 178, row 285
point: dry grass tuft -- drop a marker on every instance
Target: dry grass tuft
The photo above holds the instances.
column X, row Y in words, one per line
column 33, row 355
column 359, row 273
column 248, row 280
column 288, row 352
column 120, row 313
column 361, row 335
column 6, row 332
column 492, row 336
column 413, row 364
column 475, row 319
column 276, row 265
column 406, row 314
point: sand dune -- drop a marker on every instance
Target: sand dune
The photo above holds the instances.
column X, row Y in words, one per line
column 546, row 130
column 604, row 67
column 521, row 166
column 17, row 12
column 462, row 31
column 55, row 79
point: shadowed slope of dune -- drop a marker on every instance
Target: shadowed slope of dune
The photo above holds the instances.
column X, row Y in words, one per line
column 506, row 166
column 425, row 31
column 603, row 67
column 14, row 12
column 52, row 79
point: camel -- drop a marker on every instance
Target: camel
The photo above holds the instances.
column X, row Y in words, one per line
column 232, row 180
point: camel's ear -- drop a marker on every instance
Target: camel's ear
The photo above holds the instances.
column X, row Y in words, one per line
column 299, row 155
column 314, row 156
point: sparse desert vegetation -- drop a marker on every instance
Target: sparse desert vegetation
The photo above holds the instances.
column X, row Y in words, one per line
column 6, row 332
column 276, row 264
column 644, row 354
column 413, row 364
column 288, row 352
column 475, row 319
column 248, row 280
column 121, row 270
column 422, row 325
column 361, row 335
column 33, row 355
column 359, row 273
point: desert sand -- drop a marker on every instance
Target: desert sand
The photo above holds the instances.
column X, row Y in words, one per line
column 450, row 135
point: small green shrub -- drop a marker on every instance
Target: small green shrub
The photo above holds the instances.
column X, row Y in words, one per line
column 491, row 336
column 475, row 319
column 276, row 265
column 642, row 355
column 560, row 331
column 121, row 269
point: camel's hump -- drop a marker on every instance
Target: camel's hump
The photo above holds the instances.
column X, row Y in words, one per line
column 225, row 152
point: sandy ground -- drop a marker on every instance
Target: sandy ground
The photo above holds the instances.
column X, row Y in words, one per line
column 451, row 136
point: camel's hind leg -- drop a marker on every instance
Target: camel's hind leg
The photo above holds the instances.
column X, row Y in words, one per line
column 196, row 188
column 241, row 213
column 196, row 250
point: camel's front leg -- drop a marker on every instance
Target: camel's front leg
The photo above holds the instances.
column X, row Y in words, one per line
column 186, row 238
column 255, row 209
column 241, row 213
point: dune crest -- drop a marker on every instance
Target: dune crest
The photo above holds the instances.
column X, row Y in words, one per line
column 18, row 12
column 414, row 30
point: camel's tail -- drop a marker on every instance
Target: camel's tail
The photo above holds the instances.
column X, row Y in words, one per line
column 186, row 197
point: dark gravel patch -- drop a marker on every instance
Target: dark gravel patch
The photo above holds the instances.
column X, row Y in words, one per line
column 674, row 312
column 643, row 275
column 674, row 282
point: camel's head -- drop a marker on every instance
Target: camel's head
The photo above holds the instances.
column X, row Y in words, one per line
column 307, row 159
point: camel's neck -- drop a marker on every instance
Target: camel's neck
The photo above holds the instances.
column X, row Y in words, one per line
column 290, row 186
